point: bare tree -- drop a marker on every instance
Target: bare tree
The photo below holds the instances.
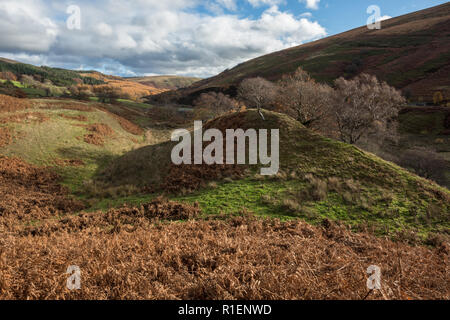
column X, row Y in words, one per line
column 305, row 99
column 257, row 92
column 363, row 105
column 7, row 75
column 108, row 94
column 29, row 81
column 80, row 92
column 212, row 104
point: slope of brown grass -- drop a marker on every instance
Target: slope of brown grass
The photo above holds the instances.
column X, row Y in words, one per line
column 80, row 118
column 241, row 258
column 72, row 105
column 122, row 114
column 24, row 117
column 134, row 89
column 98, row 133
column 165, row 82
column 115, row 220
column 5, row 136
column 27, row 191
column 129, row 253
column 128, row 126
column 10, row 104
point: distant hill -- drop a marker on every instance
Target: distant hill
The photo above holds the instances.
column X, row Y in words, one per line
column 8, row 60
column 133, row 88
column 166, row 82
column 66, row 78
column 411, row 52
column 58, row 76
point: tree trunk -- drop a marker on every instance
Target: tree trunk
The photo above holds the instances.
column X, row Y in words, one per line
column 261, row 114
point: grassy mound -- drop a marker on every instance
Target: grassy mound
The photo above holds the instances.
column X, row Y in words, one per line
column 319, row 178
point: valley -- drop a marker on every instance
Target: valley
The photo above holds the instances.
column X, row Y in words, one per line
column 361, row 174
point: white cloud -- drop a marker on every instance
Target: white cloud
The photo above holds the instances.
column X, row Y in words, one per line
column 311, row 4
column 258, row 3
column 25, row 26
column 104, row 29
column 150, row 37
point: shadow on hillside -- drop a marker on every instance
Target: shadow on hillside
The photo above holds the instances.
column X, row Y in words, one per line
column 141, row 167
column 101, row 158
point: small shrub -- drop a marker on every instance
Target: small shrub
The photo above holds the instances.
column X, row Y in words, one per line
column 353, row 185
column 267, row 199
column 318, row 188
column 435, row 240
column 291, row 205
column 334, row 184
column 213, row 185
column 293, row 175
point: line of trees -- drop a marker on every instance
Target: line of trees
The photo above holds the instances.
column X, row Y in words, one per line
column 362, row 111
column 353, row 108
column 104, row 93
column 213, row 104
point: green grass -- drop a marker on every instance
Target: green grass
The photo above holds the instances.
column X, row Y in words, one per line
column 35, row 93
column 127, row 103
column 370, row 208
column 16, row 83
column 134, row 104
column 60, row 138
column 371, row 192
column 383, row 212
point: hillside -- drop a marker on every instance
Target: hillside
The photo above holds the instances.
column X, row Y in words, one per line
column 58, row 76
column 71, row 178
column 135, row 89
column 76, row 138
column 8, row 60
column 319, row 178
column 65, row 78
column 411, row 52
column 166, row 82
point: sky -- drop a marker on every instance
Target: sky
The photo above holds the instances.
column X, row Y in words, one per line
column 178, row 37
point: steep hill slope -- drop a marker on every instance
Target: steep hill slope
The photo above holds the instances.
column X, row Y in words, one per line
column 166, row 82
column 319, row 178
column 411, row 52
column 8, row 60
